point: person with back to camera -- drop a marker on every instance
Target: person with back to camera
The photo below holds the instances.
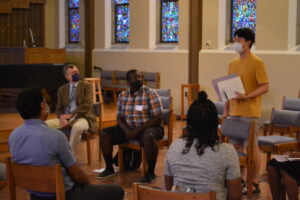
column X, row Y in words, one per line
column 284, row 177
column 198, row 161
column 35, row 143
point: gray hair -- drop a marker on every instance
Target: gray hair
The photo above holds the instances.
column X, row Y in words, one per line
column 66, row 67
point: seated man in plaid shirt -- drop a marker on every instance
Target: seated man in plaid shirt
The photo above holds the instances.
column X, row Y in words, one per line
column 139, row 117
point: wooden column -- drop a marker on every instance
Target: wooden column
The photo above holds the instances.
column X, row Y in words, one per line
column 195, row 39
column 89, row 17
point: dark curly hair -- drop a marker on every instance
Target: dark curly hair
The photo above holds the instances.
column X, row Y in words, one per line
column 29, row 101
column 247, row 34
column 202, row 125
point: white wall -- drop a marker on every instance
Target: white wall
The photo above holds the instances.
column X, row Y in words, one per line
column 276, row 39
column 141, row 52
column 171, row 65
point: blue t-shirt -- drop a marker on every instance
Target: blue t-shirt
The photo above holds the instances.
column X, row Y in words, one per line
column 34, row 143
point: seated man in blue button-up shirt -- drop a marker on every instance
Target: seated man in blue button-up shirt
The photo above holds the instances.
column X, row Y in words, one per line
column 35, row 143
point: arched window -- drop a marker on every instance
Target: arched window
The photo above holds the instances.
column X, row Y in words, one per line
column 169, row 21
column 122, row 21
column 243, row 15
column 74, row 21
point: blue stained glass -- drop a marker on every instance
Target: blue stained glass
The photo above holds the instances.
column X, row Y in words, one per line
column 74, row 25
column 73, row 3
column 121, row 1
column 122, row 23
column 243, row 15
column 169, row 21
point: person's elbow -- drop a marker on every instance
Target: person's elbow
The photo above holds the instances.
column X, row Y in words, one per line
column 234, row 191
column 159, row 119
column 265, row 88
column 77, row 175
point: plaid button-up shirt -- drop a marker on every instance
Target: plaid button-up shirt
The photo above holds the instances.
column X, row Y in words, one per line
column 142, row 106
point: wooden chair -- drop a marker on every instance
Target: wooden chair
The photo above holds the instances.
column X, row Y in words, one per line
column 291, row 103
column 220, row 109
column 44, row 179
column 283, row 122
column 4, row 151
column 167, row 103
column 242, row 130
column 2, row 176
column 287, row 104
column 97, row 96
column 99, row 111
column 146, row 193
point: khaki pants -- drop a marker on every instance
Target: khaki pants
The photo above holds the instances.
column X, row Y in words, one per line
column 78, row 128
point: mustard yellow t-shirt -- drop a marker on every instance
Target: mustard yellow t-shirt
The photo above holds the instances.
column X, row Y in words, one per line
column 252, row 71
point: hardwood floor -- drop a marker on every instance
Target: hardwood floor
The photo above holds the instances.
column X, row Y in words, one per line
column 10, row 120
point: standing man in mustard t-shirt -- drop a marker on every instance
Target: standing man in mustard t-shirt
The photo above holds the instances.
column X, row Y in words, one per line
column 247, row 107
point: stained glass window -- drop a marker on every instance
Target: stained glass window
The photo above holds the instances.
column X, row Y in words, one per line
column 169, row 21
column 243, row 15
column 122, row 21
column 74, row 20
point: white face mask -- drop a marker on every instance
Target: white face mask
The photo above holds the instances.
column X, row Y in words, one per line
column 238, row 47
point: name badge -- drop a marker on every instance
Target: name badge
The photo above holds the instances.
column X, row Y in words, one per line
column 138, row 107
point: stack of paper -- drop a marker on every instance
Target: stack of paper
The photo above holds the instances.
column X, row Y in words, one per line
column 227, row 86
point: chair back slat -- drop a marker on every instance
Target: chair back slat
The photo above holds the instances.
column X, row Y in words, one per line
column 107, row 75
column 44, row 179
column 163, row 92
column 2, row 172
column 285, row 117
column 220, row 107
column 291, row 104
column 147, row 193
column 152, row 79
column 235, row 128
column 166, row 102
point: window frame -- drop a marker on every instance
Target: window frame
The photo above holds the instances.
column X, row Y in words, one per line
column 160, row 25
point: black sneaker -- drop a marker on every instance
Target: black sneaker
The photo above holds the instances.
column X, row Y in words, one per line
column 148, row 178
column 256, row 189
column 107, row 173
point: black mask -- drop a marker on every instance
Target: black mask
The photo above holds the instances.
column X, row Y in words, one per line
column 136, row 85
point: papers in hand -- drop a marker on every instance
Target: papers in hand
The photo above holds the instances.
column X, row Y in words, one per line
column 227, row 86
column 70, row 122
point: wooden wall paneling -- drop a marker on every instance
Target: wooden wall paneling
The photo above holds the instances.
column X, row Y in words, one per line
column 20, row 3
column 5, row 6
column 38, row 1
column 14, row 27
column 11, row 56
column 37, row 24
column 6, row 31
